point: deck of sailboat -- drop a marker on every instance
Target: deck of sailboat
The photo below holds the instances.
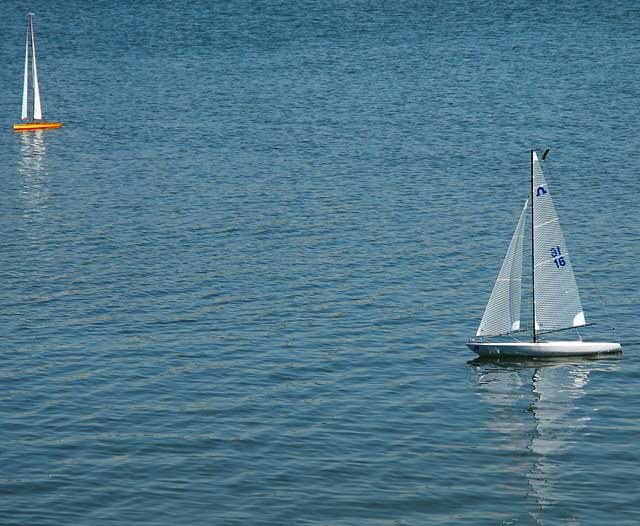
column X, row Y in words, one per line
column 30, row 126
column 542, row 349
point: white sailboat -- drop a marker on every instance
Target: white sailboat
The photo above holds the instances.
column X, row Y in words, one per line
column 36, row 122
column 555, row 298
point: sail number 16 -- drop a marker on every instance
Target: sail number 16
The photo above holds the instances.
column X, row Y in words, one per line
column 558, row 259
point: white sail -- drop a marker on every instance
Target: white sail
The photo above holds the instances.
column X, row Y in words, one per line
column 25, row 89
column 37, row 109
column 502, row 313
column 557, row 301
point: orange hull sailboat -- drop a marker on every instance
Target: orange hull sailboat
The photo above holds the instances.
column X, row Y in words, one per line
column 37, row 122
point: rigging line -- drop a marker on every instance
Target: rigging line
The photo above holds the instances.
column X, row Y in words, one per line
column 607, row 315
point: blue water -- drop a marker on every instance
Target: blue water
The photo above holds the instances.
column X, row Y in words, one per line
column 237, row 284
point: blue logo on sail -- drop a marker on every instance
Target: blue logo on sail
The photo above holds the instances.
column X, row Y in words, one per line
column 540, row 191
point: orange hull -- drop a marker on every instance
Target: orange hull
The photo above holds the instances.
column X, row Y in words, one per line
column 36, row 126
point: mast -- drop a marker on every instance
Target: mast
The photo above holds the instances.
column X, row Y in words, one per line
column 533, row 274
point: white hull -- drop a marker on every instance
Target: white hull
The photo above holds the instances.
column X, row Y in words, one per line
column 571, row 348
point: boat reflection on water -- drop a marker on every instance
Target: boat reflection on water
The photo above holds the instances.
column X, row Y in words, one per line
column 33, row 152
column 535, row 406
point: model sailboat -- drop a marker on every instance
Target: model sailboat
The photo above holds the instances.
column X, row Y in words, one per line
column 36, row 123
column 555, row 296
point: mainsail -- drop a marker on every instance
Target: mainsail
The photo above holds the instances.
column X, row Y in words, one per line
column 557, row 301
column 37, row 110
column 502, row 314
